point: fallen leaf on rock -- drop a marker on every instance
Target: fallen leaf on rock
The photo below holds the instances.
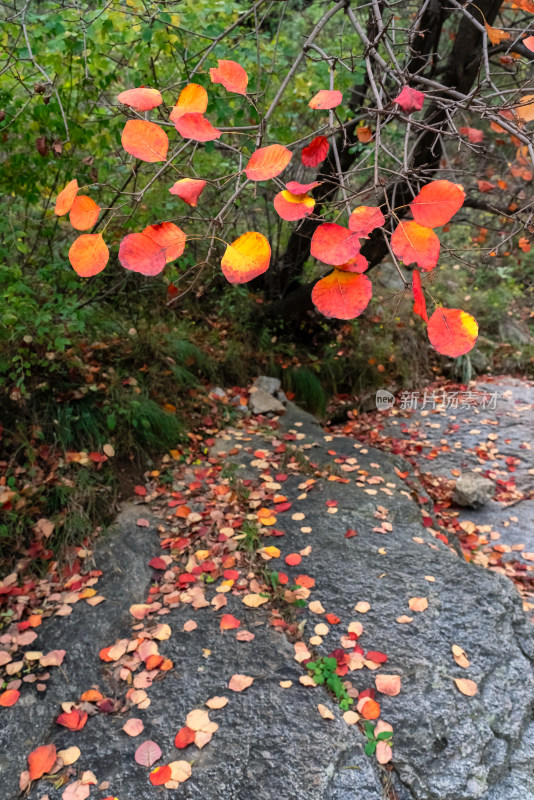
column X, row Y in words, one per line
column 418, row 603
column 362, row 607
column 202, row 738
column 325, row 712
column 198, row 719
column 190, row 625
column 403, row 619
column 133, row 726
column 321, row 629
column 351, row 717
column 70, row 755
column 184, row 737
column 369, row 709
column 301, row 652
column 228, row 622
column 383, row 752
column 466, row 686
column 316, row 607
column 52, row 659
column 160, row 775
column 460, row 656
column 76, row 791
column 388, row 684
column 244, row 636
column 9, row 697
column 41, row 760
column 286, row 684
column 293, row 559
column 238, row 683
column 181, row 770
column 254, row 600
column 147, row 753
column 217, row 702
column 73, row 720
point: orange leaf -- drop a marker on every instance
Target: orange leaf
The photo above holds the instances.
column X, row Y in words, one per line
column 140, row 253
column 466, row 686
column 9, row 697
column 365, row 219
column 145, row 140
column 189, row 190
column 197, row 127
column 333, row 244
column 364, row 134
column 238, row 683
column 315, row 152
column 529, row 43
column 325, row 712
column 293, row 206
column 343, row 295
column 452, row 332
column 525, row 110
column 370, row 709
column 229, row 622
column 83, row 213
column 268, row 162
column 193, row 100
column 413, row 243
column 41, row 760
column 418, row 603
column 301, row 188
column 474, row 135
column 142, row 99
column 356, row 264
column 437, row 203
column 169, row 237
column 419, row 306
column 326, row 99
column 160, row 775
column 496, row 35
column 88, row 254
column 293, row 559
column 231, row 75
column 246, row 258
column 388, row 684
column 65, row 198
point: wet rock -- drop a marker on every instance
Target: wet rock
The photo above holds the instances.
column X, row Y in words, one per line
column 472, row 490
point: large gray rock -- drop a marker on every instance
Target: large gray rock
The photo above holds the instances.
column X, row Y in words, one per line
column 272, row 742
column 261, row 402
column 267, row 384
column 472, row 490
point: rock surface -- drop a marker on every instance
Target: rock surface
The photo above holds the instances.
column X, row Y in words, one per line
column 472, row 490
column 262, row 402
column 272, row 743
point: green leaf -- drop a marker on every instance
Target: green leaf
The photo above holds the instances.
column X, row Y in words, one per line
column 384, row 735
column 370, row 748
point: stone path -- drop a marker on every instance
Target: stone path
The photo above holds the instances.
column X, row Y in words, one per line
column 272, row 742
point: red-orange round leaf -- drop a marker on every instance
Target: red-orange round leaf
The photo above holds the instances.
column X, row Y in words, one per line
column 189, row 190
column 83, row 213
column 41, row 760
column 365, row 219
column 293, row 206
column 160, row 775
column 193, row 100
column 343, row 295
column 333, row 244
column 65, row 198
column 326, row 99
column 145, row 140
column 231, row 75
column 437, row 203
column 142, row 99
column 196, row 127
column 413, row 243
column 184, row 737
column 88, row 254
column 169, row 237
column 140, row 253
column 452, row 332
column 9, row 697
column 268, row 162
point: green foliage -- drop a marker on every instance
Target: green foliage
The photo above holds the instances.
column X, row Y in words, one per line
column 324, row 674
column 372, row 740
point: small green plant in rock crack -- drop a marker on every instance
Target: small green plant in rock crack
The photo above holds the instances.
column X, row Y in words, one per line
column 372, row 740
column 249, row 538
column 324, row 673
column 279, row 591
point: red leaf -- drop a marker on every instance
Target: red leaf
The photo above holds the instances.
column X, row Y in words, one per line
column 169, row 237
column 410, row 100
column 9, row 697
column 365, row 219
column 140, row 253
column 83, row 213
column 229, row 622
column 315, row 152
column 474, row 135
column 376, row 656
column 246, row 258
column 452, row 332
column 413, row 243
column 343, row 295
column 189, row 190
column 333, row 244
column 301, row 188
column 419, row 306
column 160, row 775
column 293, row 559
column 184, row 737
column 197, row 127
column 73, row 720
column 292, row 207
